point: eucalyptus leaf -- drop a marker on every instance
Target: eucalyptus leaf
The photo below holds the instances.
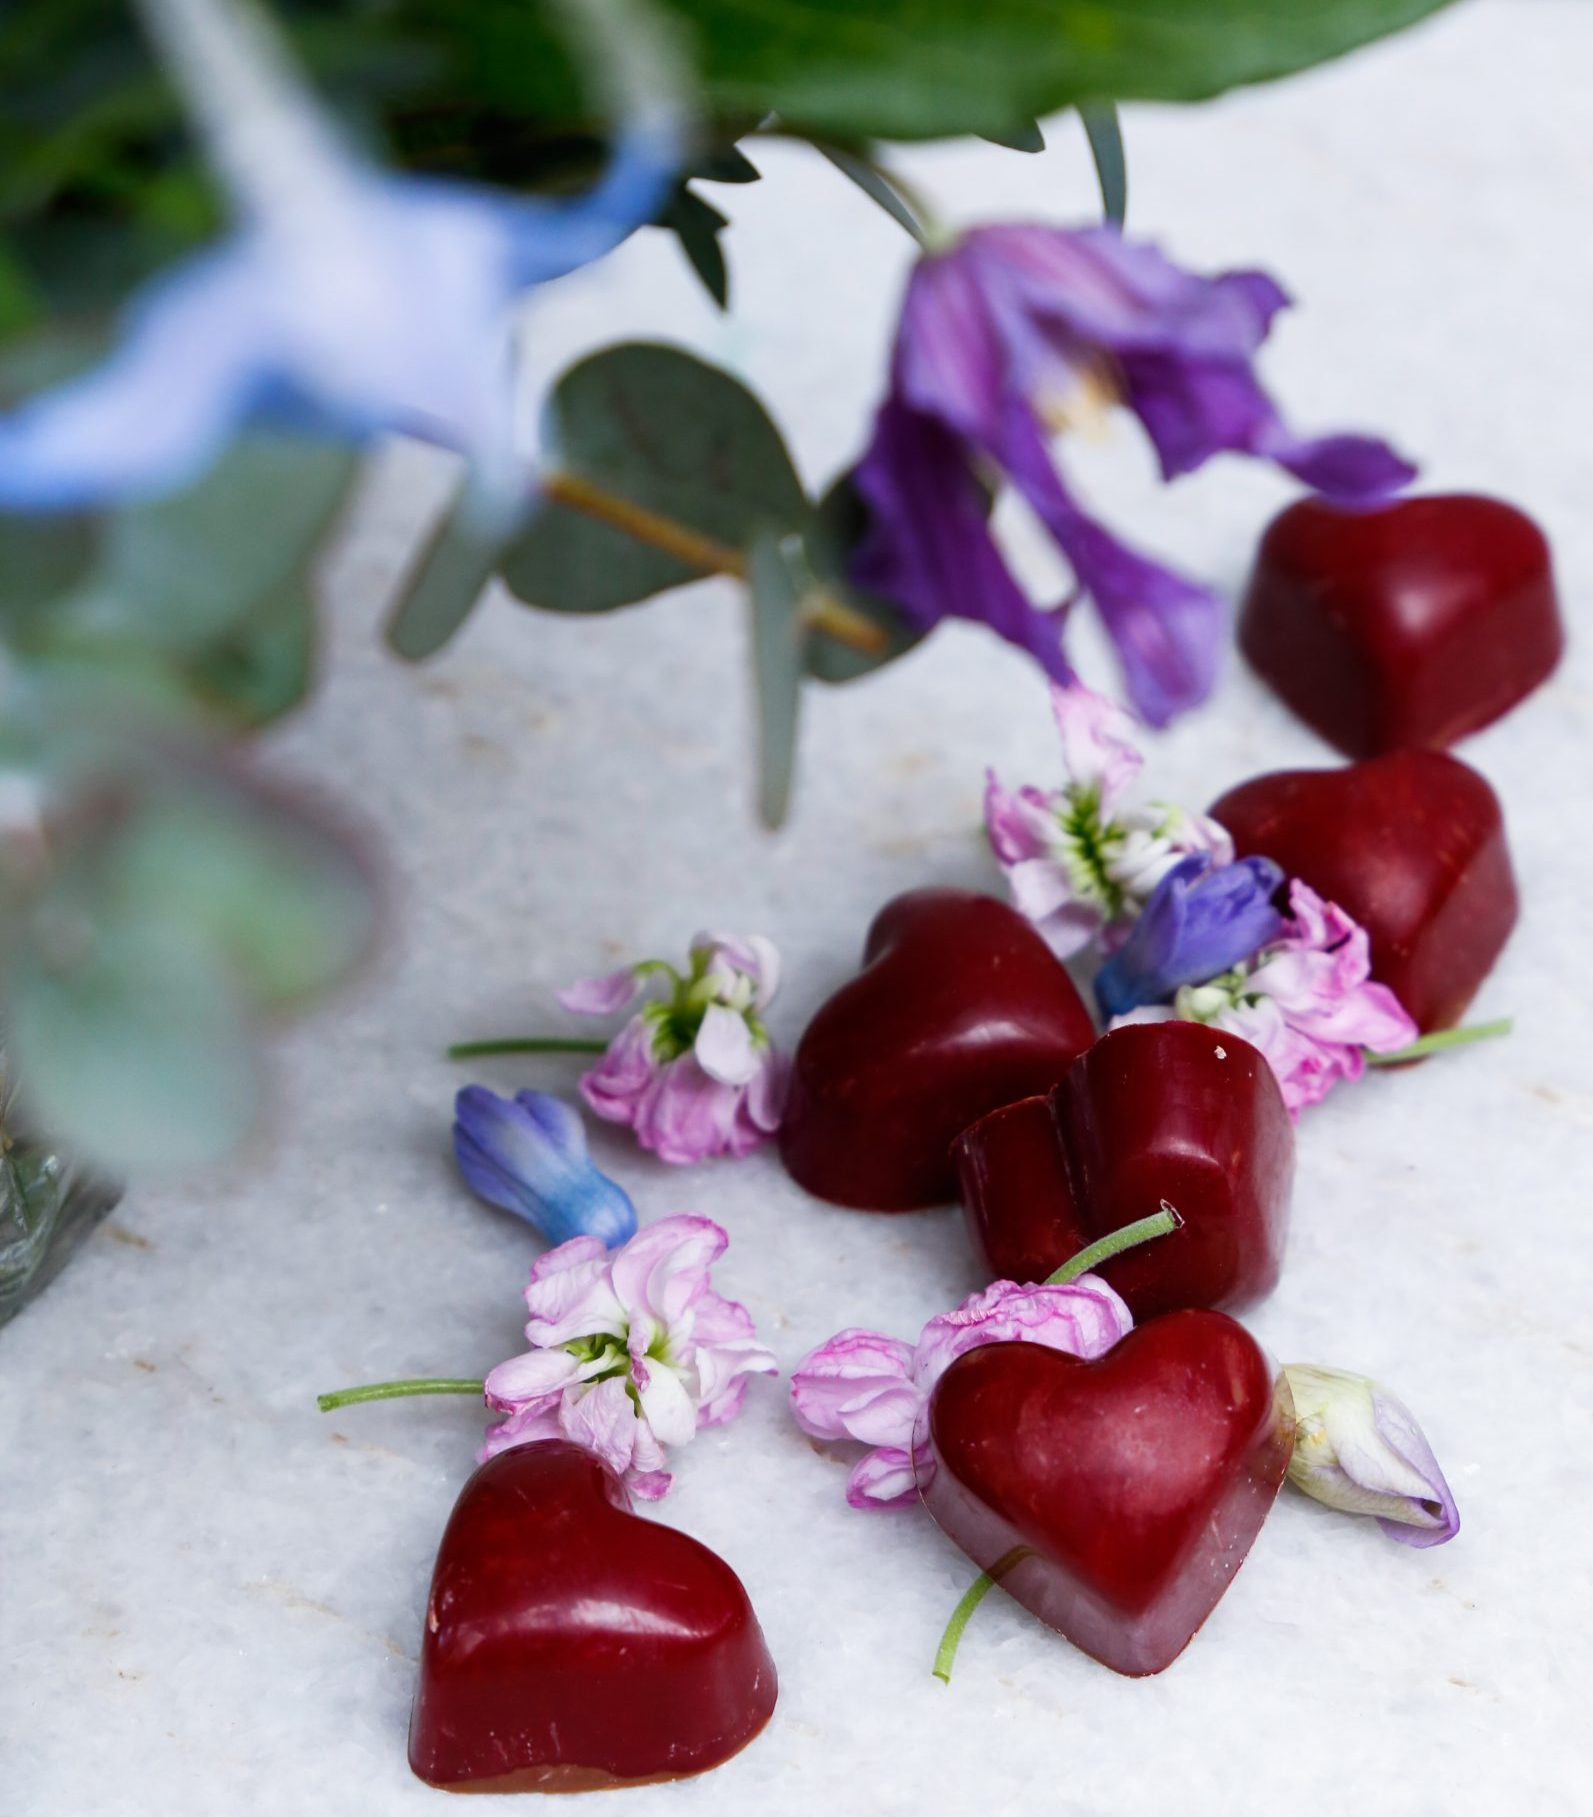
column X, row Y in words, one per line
column 445, row 584
column 139, row 1054
column 1104, row 131
column 656, row 429
column 779, row 637
column 212, row 585
column 267, row 887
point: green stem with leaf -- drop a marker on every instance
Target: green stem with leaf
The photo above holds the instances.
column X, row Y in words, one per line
column 822, row 611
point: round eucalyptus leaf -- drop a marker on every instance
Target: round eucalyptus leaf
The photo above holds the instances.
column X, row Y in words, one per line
column 138, row 1054
column 679, row 442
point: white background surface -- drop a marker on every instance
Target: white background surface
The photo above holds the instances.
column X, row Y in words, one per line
column 210, row 1595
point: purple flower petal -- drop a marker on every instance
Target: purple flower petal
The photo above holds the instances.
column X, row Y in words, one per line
column 529, row 1156
column 1200, row 920
column 604, row 996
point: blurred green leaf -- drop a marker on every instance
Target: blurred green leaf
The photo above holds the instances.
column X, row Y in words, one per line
column 655, row 428
column 188, row 901
column 779, row 636
column 140, row 1055
column 1104, row 131
column 697, row 224
column 926, row 69
column 256, row 879
column 877, row 185
column 1027, row 137
column 213, row 583
column 442, row 590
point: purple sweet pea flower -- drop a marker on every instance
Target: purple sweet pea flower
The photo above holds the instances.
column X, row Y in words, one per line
column 528, row 1155
column 1307, row 1001
column 694, row 1074
column 1014, row 331
column 345, row 300
column 1079, row 861
column 1200, row 920
column 875, row 1389
column 632, row 1351
column 1357, row 1448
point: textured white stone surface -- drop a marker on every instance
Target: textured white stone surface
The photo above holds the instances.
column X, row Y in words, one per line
column 210, row 1595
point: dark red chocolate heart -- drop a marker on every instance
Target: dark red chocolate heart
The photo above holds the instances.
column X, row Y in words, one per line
column 1412, row 845
column 1115, row 1499
column 1404, row 627
column 570, row 1644
column 960, row 1006
column 1154, row 1111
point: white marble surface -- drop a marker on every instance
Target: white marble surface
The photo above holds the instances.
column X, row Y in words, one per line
column 210, row 1595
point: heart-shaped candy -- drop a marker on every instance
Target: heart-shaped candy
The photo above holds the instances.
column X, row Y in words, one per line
column 1154, row 1111
column 1407, row 626
column 960, row 1006
column 1411, row 845
column 1116, row 1498
column 570, row 1644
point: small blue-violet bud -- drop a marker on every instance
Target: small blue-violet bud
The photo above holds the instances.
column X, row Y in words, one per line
column 1201, row 920
column 528, row 1154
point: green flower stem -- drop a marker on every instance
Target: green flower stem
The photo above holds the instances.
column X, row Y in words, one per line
column 528, row 1044
column 1441, row 1040
column 977, row 1591
column 1158, row 1224
column 397, row 1391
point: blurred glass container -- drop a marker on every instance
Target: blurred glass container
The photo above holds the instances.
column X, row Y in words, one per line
column 47, row 1208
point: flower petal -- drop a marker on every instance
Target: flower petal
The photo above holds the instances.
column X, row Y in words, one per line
column 724, row 1046
column 604, row 996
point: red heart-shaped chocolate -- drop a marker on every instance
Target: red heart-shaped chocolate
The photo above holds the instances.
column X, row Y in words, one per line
column 1411, row 845
column 1116, row 1498
column 1407, row 626
column 1155, row 1111
column 570, row 1644
column 960, row 1006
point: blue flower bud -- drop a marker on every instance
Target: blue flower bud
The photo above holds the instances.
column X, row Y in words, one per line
column 1199, row 922
column 528, row 1155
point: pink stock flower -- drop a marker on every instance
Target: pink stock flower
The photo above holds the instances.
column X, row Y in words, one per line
column 694, row 1074
column 875, row 1389
column 632, row 1351
column 1078, row 863
column 1306, row 1000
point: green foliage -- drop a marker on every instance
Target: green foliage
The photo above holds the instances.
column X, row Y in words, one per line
column 1104, row 131
column 779, row 638
column 209, row 588
column 99, row 185
column 186, row 902
column 661, row 430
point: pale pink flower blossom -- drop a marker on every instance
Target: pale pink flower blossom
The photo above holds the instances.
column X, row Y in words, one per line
column 875, row 1389
column 1307, row 1001
column 1078, row 862
column 633, row 1352
column 695, row 1073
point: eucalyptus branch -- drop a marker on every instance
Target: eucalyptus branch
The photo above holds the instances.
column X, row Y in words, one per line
column 706, row 554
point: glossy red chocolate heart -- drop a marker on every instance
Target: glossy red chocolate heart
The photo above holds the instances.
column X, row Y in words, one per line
column 1403, row 627
column 1412, row 845
column 960, row 1006
column 570, row 1644
column 1115, row 1499
column 1155, row 1111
